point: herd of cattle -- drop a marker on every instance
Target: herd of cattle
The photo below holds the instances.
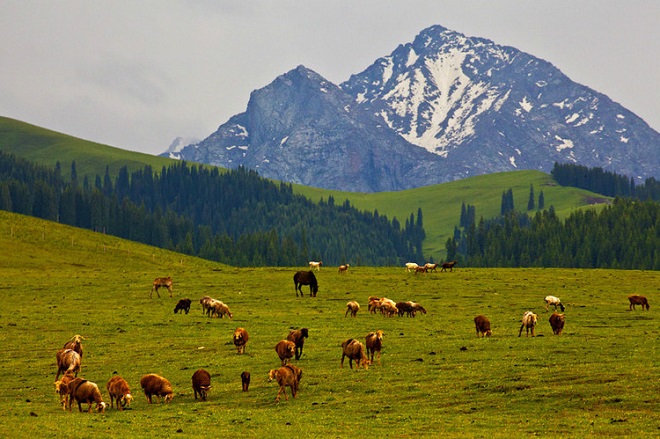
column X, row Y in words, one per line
column 72, row 388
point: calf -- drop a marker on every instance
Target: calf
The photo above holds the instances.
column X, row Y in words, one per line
column 315, row 265
column 557, row 322
column 62, row 389
column 118, row 389
column 245, row 380
column 482, row 324
column 638, row 300
column 201, row 383
column 554, row 301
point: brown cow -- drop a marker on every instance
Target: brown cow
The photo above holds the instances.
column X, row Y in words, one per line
column 62, row 389
column 482, row 324
column 76, row 344
column 201, row 383
column 118, row 389
column 343, row 268
column 159, row 282
column 285, row 350
column 638, row 300
column 557, row 322
column 354, row 350
column 240, row 338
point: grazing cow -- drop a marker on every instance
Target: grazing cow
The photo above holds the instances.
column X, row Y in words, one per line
column 343, row 268
column 315, row 265
column 245, row 380
column 289, row 375
column 240, row 338
column 374, row 343
column 159, row 282
column 410, row 266
column 285, row 350
column 552, row 300
column 353, row 307
column 528, row 322
column 62, row 389
column 420, row 270
column 430, row 267
column 298, row 338
column 450, row 265
column 118, row 389
column 183, row 305
column 201, row 383
column 68, row 361
column 638, row 300
column 156, row 385
column 76, row 344
column 306, row 278
column 354, row 350
column 557, row 322
column 83, row 391
column 482, row 324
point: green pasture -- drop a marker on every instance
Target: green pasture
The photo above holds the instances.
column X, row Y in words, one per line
column 601, row 378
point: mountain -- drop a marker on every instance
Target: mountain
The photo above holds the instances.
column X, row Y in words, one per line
column 441, row 108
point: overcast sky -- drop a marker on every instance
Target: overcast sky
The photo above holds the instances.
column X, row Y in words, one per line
column 137, row 74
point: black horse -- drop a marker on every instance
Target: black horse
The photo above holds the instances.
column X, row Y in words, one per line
column 306, row 278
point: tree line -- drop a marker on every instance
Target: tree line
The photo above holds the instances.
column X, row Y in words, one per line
column 623, row 235
column 605, row 182
column 234, row 217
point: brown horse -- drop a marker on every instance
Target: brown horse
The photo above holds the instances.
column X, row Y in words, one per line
column 306, row 278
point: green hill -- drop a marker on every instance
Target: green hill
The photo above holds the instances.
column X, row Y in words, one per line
column 440, row 204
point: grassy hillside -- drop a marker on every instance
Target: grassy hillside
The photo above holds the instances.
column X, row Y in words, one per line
column 441, row 204
column 47, row 147
column 436, row 378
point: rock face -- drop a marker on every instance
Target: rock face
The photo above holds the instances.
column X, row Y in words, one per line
column 441, row 108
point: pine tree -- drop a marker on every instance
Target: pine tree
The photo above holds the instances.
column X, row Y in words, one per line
column 541, row 201
column 530, row 203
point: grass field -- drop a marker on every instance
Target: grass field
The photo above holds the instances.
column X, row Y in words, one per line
column 600, row 378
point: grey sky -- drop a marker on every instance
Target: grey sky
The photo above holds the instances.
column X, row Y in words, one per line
column 137, row 74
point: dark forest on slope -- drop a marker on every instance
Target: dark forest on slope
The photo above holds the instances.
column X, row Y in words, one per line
column 235, row 217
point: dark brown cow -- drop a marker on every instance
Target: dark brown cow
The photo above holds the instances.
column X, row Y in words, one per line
column 638, row 300
column 298, row 338
column 201, row 383
column 557, row 322
column 482, row 324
